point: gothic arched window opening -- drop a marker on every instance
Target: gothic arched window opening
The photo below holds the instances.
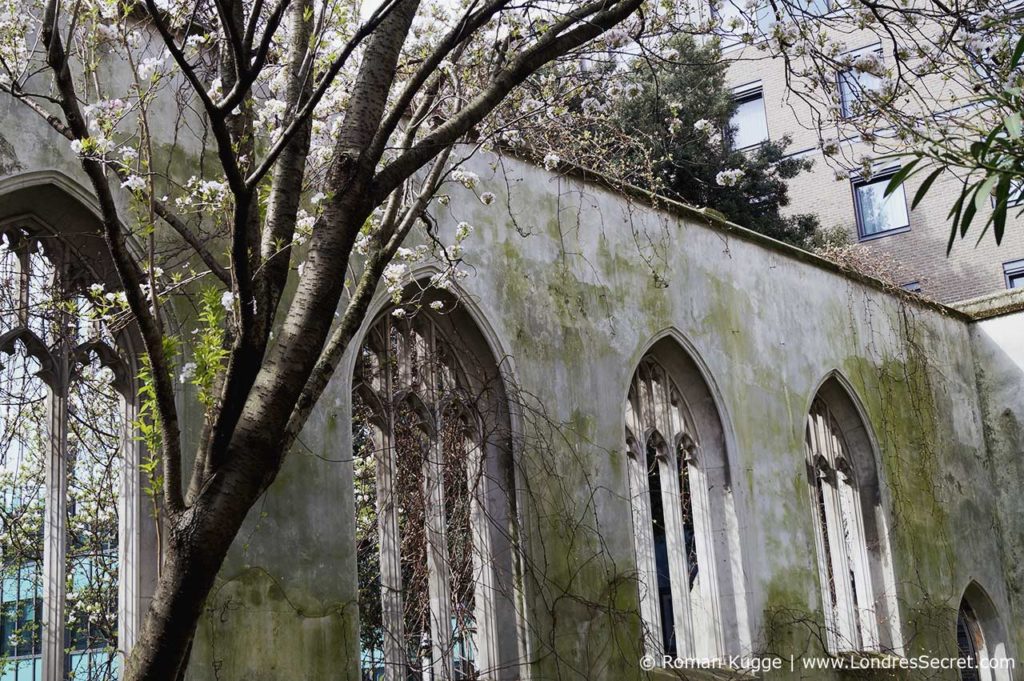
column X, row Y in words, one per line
column 64, row 400
column 429, row 429
column 981, row 639
column 680, row 499
column 855, row 567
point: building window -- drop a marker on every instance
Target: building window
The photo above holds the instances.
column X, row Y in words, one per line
column 852, row 545
column 679, row 490
column 738, row 18
column 859, row 81
column 62, row 475
column 431, row 463
column 1013, row 274
column 981, row 639
column 877, row 214
column 911, row 287
column 749, row 125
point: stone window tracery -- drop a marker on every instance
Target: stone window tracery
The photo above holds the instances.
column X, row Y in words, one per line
column 851, row 533
column 64, row 442
column 672, row 523
column 427, row 495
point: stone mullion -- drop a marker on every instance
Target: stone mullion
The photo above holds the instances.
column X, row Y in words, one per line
column 485, row 592
column 846, row 636
column 676, row 546
column 707, row 640
column 858, row 555
column 129, row 533
column 396, row 655
column 437, row 561
column 670, row 427
column 647, row 575
column 392, row 603
column 55, row 527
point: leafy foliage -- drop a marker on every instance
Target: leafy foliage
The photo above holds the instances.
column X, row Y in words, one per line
column 675, row 115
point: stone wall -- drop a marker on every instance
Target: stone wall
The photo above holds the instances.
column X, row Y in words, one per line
column 570, row 284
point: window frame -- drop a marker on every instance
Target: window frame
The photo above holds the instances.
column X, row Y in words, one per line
column 877, row 178
column 743, row 94
column 1012, row 271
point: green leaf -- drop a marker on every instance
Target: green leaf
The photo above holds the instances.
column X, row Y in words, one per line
column 1017, row 52
column 1012, row 125
column 955, row 214
column 970, row 209
column 1002, row 202
column 925, row 186
column 984, row 191
column 900, row 176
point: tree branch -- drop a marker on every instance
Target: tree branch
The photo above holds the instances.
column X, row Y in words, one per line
column 300, row 117
column 128, row 270
column 548, row 47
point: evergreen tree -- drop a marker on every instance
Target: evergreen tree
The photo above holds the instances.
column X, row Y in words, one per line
column 676, row 113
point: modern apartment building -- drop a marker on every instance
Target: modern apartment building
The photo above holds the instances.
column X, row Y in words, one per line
column 913, row 240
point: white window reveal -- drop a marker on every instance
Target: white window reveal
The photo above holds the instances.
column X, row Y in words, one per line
column 749, row 125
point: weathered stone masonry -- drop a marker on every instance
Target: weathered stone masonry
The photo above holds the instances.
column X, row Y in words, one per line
column 570, row 286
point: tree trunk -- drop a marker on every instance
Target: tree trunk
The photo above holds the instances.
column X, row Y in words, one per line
column 198, row 542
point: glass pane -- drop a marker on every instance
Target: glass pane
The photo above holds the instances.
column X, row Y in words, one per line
column 748, row 123
column 879, row 213
column 852, row 85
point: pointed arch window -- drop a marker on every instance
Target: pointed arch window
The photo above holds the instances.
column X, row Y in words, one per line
column 677, row 537
column 854, row 559
column 66, row 471
column 431, row 472
column 842, row 544
column 981, row 639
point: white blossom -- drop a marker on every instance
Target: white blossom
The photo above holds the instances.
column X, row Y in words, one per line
column 134, row 183
column 730, row 177
column 188, row 371
column 463, row 230
column 704, row 126
column 227, row 300
column 149, row 67
column 551, row 161
column 467, row 178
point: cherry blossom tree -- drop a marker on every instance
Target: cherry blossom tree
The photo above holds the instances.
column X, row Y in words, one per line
column 326, row 132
